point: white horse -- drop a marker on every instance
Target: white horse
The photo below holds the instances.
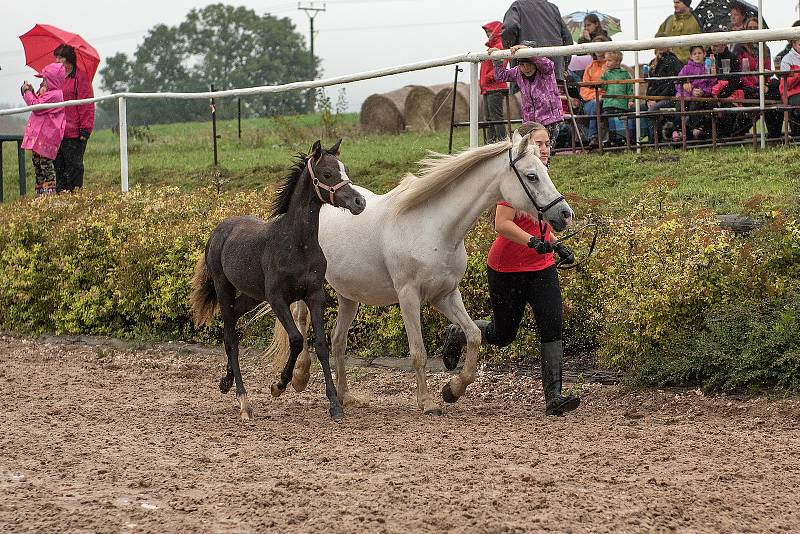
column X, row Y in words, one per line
column 407, row 247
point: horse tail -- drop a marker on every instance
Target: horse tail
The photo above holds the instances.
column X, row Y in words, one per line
column 278, row 350
column 203, row 299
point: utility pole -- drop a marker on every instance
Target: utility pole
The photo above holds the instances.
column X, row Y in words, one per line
column 311, row 12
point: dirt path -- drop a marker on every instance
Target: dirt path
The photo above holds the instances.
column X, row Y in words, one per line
column 93, row 440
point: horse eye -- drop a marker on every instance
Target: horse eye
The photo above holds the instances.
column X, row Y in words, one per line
column 532, row 176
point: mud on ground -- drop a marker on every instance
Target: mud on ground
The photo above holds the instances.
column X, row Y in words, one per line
column 95, row 439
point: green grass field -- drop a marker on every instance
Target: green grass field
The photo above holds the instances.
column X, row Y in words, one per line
column 181, row 155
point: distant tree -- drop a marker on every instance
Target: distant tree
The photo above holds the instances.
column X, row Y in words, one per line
column 219, row 44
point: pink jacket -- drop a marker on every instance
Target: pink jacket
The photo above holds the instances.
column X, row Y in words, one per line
column 45, row 128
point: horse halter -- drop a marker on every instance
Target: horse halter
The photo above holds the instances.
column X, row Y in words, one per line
column 319, row 185
column 540, row 210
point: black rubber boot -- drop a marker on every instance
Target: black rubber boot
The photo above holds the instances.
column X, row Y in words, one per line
column 556, row 403
column 454, row 343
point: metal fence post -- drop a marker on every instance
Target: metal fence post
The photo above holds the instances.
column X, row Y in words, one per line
column 123, row 143
column 474, row 94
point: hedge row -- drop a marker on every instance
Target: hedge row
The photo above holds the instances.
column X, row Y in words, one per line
column 668, row 298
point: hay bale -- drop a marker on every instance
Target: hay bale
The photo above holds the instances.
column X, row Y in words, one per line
column 406, row 108
column 443, row 101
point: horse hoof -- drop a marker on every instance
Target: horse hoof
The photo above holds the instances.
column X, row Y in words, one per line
column 276, row 390
column 447, row 394
column 246, row 414
column 337, row 414
column 299, row 383
column 350, row 400
column 435, row 412
column 225, row 384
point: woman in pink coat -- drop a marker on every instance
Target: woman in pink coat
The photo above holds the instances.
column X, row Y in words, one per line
column 45, row 127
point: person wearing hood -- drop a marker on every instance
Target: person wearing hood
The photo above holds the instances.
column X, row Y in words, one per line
column 80, row 121
column 682, row 22
column 45, row 128
column 493, row 91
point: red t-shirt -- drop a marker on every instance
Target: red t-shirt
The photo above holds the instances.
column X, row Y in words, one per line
column 505, row 256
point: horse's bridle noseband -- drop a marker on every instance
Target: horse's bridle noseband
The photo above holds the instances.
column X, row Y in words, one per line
column 319, row 185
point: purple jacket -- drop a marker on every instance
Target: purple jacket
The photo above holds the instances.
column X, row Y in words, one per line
column 45, row 127
column 693, row 69
column 540, row 99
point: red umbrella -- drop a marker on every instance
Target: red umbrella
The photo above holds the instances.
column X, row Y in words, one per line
column 40, row 41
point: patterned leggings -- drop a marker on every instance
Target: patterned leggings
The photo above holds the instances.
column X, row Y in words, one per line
column 45, row 175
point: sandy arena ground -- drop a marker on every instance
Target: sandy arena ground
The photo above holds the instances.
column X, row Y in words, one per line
column 97, row 439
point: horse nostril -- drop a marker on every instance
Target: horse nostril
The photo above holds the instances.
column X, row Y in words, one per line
column 567, row 214
column 359, row 202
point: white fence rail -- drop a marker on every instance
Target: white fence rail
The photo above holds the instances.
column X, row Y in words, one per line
column 473, row 58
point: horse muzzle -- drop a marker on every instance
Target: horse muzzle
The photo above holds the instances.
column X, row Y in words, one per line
column 559, row 216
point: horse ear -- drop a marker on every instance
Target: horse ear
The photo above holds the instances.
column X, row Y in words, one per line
column 334, row 150
column 316, row 150
column 515, row 138
column 521, row 145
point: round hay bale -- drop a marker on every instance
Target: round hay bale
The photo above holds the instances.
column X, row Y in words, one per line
column 379, row 114
column 406, row 108
column 442, row 103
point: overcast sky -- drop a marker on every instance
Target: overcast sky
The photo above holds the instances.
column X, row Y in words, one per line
column 353, row 35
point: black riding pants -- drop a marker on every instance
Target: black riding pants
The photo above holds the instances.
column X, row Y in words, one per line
column 510, row 292
column 69, row 164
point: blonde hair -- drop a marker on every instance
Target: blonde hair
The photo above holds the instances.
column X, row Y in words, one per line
column 529, row 127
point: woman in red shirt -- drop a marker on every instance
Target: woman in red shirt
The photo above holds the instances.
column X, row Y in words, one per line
column 521, row 270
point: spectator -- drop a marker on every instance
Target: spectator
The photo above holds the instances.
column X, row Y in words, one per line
column 614, row 101
column 747, row 53
column 774, row 118
column 493, row 91
column 737, row 15
column 537, row 82
column 45, row 127
column 682, row 22
column 664, row 65
column 538, row 21
column 790, row 86
column 728, row 87
column 594, row 73
column 695, row 88
column 80, row 122
column 522, row 271
column 788, row 48
column 591, row 29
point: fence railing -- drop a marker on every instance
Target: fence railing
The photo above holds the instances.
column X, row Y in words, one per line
column 472, row 58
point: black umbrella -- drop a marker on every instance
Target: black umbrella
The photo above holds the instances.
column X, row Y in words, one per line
column 714, row 15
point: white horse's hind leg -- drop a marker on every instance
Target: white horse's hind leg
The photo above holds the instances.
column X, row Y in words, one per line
column 452, row 306
column 345, row 314
column 301, row 372
column 410, row 308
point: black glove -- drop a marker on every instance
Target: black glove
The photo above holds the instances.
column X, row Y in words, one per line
column 542, row 247
column 566, row 256
column 84, row 135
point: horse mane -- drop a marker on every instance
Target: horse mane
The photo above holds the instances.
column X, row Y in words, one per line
column 284, row 195
column 440, row 170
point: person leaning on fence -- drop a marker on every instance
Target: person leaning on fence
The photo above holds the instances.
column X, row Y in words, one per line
column 537, row 21
column 45, row 127
column 682, row 22
column 522, row 272
column 790, row 85
column 747, row 54
column 697, row 125
column 80, row 122
column 594, row 73
column 664, row 65
column 536, row 80
column 494, row 92
column 614, row 100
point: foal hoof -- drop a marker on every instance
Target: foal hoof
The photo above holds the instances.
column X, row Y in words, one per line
column 276, row 390
column 435, row 412
column 447, row 394
column 225, row 384
column 337, row 414
column 245, row 410
column 299, row 382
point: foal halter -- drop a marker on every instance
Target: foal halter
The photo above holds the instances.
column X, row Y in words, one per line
column 319, row 185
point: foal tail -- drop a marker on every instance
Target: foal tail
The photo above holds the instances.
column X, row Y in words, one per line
column 203, row 299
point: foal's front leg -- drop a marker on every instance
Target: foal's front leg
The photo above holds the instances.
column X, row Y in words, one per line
column 316, row 305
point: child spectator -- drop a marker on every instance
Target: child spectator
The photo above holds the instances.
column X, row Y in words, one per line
column 695, row 87
column 594, row 73
column 45, row 127
column 536, row 80
column 790, row 86
column 747, row 53
column 614, row 101
column 493, row 91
